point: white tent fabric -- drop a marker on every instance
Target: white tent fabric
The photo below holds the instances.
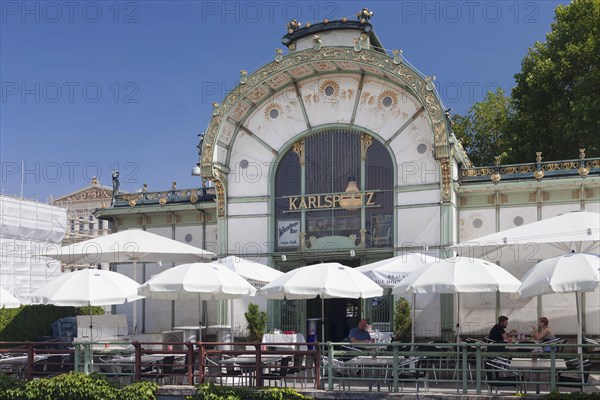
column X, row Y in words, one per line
column 87, row 287
column 575, row 231
column 255, row 273
column 8, row 300
column 133, row 245
column 574, row 272
column 327, row 280
column 459, row 275
column 202, row 281
column 389, row 272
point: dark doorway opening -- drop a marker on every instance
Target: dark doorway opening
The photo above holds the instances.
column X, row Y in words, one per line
column 340, row 315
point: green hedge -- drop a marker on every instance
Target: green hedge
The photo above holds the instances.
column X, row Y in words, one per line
column 74, row 386
column 209, row 391
column 31, row 322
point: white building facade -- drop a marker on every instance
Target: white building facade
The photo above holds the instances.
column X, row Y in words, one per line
column 337, row 151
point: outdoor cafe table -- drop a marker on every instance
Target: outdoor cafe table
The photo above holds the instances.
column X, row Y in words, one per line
column 18, row 364
column 376, row 366
column 280, row 340
column 537, row 366
column 247, row 362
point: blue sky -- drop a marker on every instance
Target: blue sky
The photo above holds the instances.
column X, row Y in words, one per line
column 93, row 86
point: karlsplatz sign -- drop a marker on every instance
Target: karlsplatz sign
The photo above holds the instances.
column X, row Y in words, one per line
column 327, row 201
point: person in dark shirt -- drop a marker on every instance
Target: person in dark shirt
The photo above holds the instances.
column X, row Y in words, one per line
column 360, row 333
column 498, row 332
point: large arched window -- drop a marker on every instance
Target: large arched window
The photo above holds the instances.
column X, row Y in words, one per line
column 335, row 184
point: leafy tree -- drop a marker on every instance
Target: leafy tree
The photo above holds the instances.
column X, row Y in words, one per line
column 557, row 92
column 402, row 321
column 483, row 132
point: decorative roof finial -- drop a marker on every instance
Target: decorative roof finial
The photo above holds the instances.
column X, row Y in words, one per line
column 293, row 25
column 278, row 55
column 317, row 43
column 364, row 15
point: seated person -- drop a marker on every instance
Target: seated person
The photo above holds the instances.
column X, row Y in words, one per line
column 544, row 333
column 498, row 332
column 360, row 334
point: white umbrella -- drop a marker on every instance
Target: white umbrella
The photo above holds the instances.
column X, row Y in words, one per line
column 255, row 273
column 573, row 272
column 459, row 275
column 133, row 245
column 326, row 280
column 202, row 281
column 87, row 287
column 128, row 246
column 7, row 300
column 389, row 272
column 575, row 231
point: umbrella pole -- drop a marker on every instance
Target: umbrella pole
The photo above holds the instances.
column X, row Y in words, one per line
column 322, row 319
column 414, row 306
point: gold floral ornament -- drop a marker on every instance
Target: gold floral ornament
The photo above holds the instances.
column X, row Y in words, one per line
column 495, row 177
column 216, row 109
column 132, row 203
column 243, row 76
column 583, row 169
column 162, row 201
column 430, row 85
column 397, row 56
column 278, row 55
column 293, row 25
column 193, row 198
column 364, row 15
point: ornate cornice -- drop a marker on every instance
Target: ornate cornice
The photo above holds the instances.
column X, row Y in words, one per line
column 538, row 170
column 343, row 59
column 94, row 193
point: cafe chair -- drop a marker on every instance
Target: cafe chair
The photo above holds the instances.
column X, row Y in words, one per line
column 279, row 373
column 413, row 369
column 218, row 370
column 163, row 370
column 497, row 376
column 50, row 366
column 572, row 377
column 340, row 372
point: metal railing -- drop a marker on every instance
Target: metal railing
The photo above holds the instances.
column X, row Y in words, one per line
column 467, row 367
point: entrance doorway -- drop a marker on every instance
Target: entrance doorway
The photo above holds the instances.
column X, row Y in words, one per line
column 340, row 315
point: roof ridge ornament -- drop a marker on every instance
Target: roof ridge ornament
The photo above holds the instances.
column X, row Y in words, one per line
column 364, row 15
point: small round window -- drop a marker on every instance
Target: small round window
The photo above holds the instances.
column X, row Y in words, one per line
column 244, row 164
column 518, row 221
column 422, row 148
column 274, row 113
column 478, row 223
column 329, row 91
column 387, row 101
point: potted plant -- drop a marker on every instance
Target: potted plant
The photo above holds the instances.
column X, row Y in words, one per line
column 402, row 321
column 256, row 321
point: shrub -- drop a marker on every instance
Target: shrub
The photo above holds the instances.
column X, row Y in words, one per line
column 208, row 391
column 257, row 322
column 402, row 321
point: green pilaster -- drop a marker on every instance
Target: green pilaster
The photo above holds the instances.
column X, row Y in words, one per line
column 447, row 236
